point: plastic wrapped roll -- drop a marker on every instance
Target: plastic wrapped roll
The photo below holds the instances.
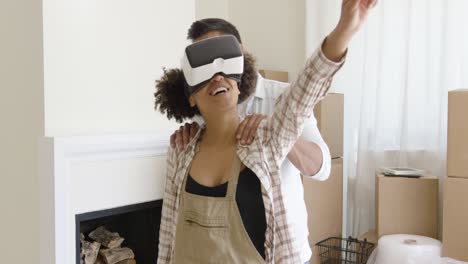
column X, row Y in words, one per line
column 408, row 249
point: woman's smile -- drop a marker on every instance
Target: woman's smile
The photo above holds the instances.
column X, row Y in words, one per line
column 219, row 90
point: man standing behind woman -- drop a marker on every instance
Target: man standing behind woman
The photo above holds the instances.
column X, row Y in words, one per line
column 280, row 214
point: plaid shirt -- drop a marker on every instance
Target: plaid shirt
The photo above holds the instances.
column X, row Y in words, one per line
column 276, row 136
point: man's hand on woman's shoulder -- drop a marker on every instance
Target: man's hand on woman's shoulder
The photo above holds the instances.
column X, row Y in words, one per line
column 247, row 129
column 182, row 136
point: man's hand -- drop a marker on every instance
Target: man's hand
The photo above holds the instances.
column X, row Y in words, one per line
column 248, row 128
column 181, row 137
column 353, row 15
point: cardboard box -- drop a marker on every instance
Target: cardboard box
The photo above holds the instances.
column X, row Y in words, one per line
column 455, row 226
column 324, row 202
column 330, row 119
column 275, row 75
column 457, row 134
column 406, row 205
column 370, row 235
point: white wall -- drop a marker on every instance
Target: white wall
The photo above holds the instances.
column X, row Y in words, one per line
column 321, row 19
column 74, row 67
column 21, row 116
column 102, row 59
column 273, row 30
column 212, row 8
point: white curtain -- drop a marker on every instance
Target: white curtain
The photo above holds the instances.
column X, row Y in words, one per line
column 399, row 69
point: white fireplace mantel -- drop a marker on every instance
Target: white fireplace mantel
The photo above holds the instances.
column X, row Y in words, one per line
column 73, row 169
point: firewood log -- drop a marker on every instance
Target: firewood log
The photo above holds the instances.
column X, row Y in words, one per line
column 106, row 238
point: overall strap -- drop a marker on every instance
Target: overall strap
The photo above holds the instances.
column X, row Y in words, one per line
column 232, row 184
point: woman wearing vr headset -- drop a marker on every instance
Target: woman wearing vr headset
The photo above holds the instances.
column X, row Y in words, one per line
column 204, row 219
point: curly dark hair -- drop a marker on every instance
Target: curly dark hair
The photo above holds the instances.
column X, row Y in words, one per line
column 203, row 26
column 170, row 98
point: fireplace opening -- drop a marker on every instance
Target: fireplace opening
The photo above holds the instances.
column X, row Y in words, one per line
column 137, row 225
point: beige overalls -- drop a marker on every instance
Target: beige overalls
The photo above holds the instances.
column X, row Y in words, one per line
column 210, row 229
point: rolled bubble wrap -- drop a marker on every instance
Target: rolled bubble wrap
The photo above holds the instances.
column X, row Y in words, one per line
column 407, row 249
column 452, row 261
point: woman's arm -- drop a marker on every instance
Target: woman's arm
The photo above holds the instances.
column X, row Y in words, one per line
column 167, row 227
column 297, row 103
column 353, row 15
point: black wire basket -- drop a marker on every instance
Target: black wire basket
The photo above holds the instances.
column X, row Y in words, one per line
column 337, row 250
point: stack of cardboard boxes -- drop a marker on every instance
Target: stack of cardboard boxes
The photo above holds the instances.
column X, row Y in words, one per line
column 455, row 215
column 274, row 75
column 405, row 206
column 324, row 200
column 330, row 120
column 409, row 206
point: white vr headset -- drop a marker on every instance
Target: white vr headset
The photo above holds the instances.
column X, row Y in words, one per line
column 204, row 59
